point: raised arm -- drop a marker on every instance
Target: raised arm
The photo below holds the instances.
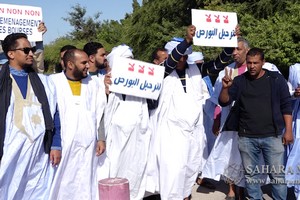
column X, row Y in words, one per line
column 171, row 62
column 38, row 64
column 226, row 84
column 213, row 67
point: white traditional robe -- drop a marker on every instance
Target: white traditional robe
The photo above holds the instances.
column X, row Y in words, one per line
column 25, row 170
column 293, row 163
column 224, row 158
column 80, row 119
column 178, row 143
column 128, row 138
column 102, row 162
column 208, row 115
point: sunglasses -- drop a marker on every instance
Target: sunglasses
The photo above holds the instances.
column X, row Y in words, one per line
column 26, row 50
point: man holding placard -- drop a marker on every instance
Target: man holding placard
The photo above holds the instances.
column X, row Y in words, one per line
column 28, row 20
column 127, row 115
column 178, row 140
column 126, row 122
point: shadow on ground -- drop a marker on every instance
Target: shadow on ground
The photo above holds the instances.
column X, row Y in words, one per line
column 221, row 190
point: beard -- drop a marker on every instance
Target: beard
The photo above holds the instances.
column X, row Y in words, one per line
column 28, row 67
column 99, row 65
column 78, row 74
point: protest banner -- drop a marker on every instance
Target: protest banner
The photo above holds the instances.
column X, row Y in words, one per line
column 214, row 28
column 20, row 19
column 136, row 78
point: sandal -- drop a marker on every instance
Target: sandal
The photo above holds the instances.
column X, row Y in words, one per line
column 208, row 184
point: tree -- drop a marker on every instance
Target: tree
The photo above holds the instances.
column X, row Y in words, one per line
column 85, row 28
column 278, row 35
column 269, row 24
column 276, row 30
column 113, row 33
column 156, row 22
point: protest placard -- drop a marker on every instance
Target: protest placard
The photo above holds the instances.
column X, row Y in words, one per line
column 20, row 19
column 136, row 78
column 214, row 28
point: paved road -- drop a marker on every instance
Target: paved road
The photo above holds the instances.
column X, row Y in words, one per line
column 202, row 193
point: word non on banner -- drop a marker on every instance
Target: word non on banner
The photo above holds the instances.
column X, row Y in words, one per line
column 136, row 78
column 20, row 19
column 214, row 28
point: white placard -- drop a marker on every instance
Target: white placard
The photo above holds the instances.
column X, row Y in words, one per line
column 214, row 28
column 20, row 19
column 136, row 78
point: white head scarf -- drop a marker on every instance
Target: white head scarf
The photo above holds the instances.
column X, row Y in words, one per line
column 195, row 56
column 271, row 67
column 119, row 51
column 173, row 43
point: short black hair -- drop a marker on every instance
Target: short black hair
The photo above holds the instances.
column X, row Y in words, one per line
column 67, row 47
column 10, row 42
column 256, row 51
column 154, row 54
column 91, row 48
column 69, row 56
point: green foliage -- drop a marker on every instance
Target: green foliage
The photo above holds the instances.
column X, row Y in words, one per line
column 85, row 28
column 278, row 35
column 52, row 51
column 110, row 33
column 156, row 22
column 269, row 24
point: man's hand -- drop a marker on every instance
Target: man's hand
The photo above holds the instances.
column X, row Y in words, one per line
column 107, row 82
column 287, row 138
column 42, row 28
column 100, row 147
column 237, row 31
column 55, row 156
column 297, row 92
column 216, row 125
column 226, row 80
column 190, row 33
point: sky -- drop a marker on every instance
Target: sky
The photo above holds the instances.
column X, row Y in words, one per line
column 55, row 10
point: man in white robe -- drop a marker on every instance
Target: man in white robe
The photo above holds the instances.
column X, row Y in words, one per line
column 28, row 105
column 126, row 124
column 178, row 142
column 97, row 69
column 179, row 133
column 292, row 166
column 81, row 105
column 225, row 158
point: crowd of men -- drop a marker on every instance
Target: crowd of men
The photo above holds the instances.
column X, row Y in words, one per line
column 62, row 133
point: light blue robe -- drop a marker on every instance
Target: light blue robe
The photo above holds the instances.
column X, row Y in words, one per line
column 293, row 162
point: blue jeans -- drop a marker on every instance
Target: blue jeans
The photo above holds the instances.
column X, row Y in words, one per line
column 272, row 151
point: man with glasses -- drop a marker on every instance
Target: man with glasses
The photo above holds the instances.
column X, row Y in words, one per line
column 38, row 56
column 27, row 128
